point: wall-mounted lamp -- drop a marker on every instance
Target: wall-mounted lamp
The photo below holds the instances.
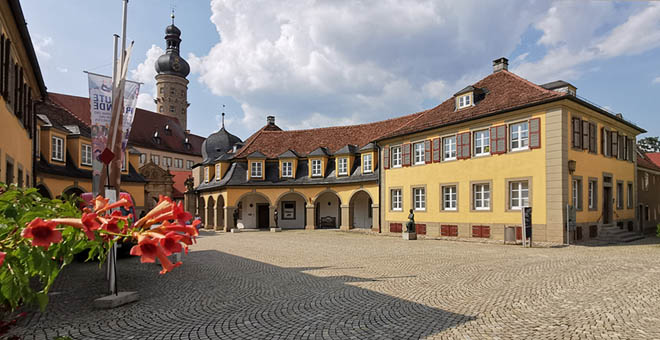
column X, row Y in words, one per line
column 571, row 166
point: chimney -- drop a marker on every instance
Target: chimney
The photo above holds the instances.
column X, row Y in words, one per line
column 500, row 64
column 619, row 115
column 270, row 120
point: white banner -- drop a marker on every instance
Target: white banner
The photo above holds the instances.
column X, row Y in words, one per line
column 100, row 100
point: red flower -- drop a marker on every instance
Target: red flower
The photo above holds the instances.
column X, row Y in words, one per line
column 164, row 207
column 42, row 233
column 88, row 223
column 2, row 257
column 121, row 203
column 147, row 249
column 171, row 243
column 180, row 215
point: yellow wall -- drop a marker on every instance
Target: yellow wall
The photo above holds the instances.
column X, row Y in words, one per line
column 594, row 165
column 374, row 160
column 495, row 168
column 324, row 164
column 294, row 166
column 263, row 168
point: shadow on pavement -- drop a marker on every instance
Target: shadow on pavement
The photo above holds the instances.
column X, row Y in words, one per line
column 221, row 296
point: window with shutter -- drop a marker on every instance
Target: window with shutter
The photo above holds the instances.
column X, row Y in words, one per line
column 386, row 157
column 577, row 133
column 465, row 145
column 428, row 151
column 436, row 150
column 622, row 147
column 501, row 139
column 406, row 154
column 592, row 138
column 631, row 153
column 493, row 140
column 535, row 133
column 614, row 151
column 585, row 135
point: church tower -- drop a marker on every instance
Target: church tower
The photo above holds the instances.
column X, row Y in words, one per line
column 171, row 83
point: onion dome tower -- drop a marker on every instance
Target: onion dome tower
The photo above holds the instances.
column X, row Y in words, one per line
column 171, row 83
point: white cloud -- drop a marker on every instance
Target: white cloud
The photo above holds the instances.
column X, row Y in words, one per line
column 656, row 80
column 575, row 34
column 145, row 73
column 40, row 45
column 62, row 69
column 315, row 63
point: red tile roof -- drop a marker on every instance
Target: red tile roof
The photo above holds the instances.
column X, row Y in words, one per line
column 654, row 157
column 504, row 90
column 179, row 186
column 273, row 143
column 145, row 124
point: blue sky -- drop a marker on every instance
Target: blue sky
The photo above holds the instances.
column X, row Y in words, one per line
column 317, row 63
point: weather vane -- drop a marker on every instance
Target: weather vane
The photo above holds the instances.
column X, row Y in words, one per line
column 223, row 116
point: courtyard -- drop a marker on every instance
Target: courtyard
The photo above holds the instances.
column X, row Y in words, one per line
column 338, row 285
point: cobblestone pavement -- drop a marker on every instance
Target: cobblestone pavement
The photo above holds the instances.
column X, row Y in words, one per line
column 336, row 285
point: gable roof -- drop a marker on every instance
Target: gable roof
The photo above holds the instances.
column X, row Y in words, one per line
column 273, row 143
column 179, row 185
column 145, row 124
column 654, row 158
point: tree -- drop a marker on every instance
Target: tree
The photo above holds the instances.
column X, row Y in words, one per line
column 649, row 144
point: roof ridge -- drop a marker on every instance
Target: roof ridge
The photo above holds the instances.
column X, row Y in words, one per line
column 538, row 87
column 255, row 135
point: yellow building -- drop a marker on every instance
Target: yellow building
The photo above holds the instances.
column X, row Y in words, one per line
column 465, row 168
column 468, row 166
column 21, row 85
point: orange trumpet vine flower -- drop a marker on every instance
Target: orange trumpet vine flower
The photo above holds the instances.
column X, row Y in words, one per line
column 42, row 233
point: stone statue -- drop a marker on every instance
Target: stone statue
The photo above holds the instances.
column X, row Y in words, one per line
column 275, row 217
column 410, row 226
column 235, row 216
column 190, row 184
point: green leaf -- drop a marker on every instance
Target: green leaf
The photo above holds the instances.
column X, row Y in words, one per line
column 42, row 299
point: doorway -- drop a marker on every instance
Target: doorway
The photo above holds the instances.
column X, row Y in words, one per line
column 607, row 205
column 262, row 216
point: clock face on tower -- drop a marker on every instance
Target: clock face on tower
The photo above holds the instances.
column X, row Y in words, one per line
column 176, row 65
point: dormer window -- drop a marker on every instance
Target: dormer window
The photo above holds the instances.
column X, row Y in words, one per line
column 342, row 166
column 287, row 169
column 316, row 167
column 465, row 101
column 217, row 172
column 206, row 174
column 256, row 170
column 168, row 131
column 156, row 138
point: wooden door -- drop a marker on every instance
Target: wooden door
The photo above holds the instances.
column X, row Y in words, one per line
column 262, row 216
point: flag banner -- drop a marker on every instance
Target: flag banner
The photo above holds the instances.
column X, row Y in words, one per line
column 100, row 99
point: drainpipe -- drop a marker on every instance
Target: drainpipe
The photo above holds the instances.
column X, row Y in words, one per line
column 380, row 173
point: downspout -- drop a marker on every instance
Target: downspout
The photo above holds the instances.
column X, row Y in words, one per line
column 380, row 203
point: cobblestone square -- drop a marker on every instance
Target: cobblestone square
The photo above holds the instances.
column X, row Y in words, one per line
column 337, row 285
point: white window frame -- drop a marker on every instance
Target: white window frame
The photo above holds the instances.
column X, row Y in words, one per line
column 464, row 101
column 86, row 154
column 367, row 164
column 342, row 166
column 521, row 130
column 57, row 149
column 217, row 172
column 482, row 143
column 481, row 194
column 396, row 156
column 419, row 198
column 317, row 167
column 420, row 153
column 155, row 159
column 449, row 148
column 396, row 199
column 591, row 189
column 178, row 163
column 143, row 158
column 576, row 194
column 449, row 198
column 189, row 164
column 517, row 186
column 168, row 161
column 256, row 170
column 206, row 174
column 287, row 169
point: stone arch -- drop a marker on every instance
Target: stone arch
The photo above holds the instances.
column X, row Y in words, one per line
column 210, row 213
column 327, row 209
column 291, row 210
column 43, row 190
column 220, row 213
column 254, row 210
column 201, row 209
column 73, row 190
column 360, row 214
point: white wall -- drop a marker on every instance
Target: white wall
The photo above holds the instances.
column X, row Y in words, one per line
column 361, row 207
column 249, row 217
column 329, row 210
column 299, row 222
